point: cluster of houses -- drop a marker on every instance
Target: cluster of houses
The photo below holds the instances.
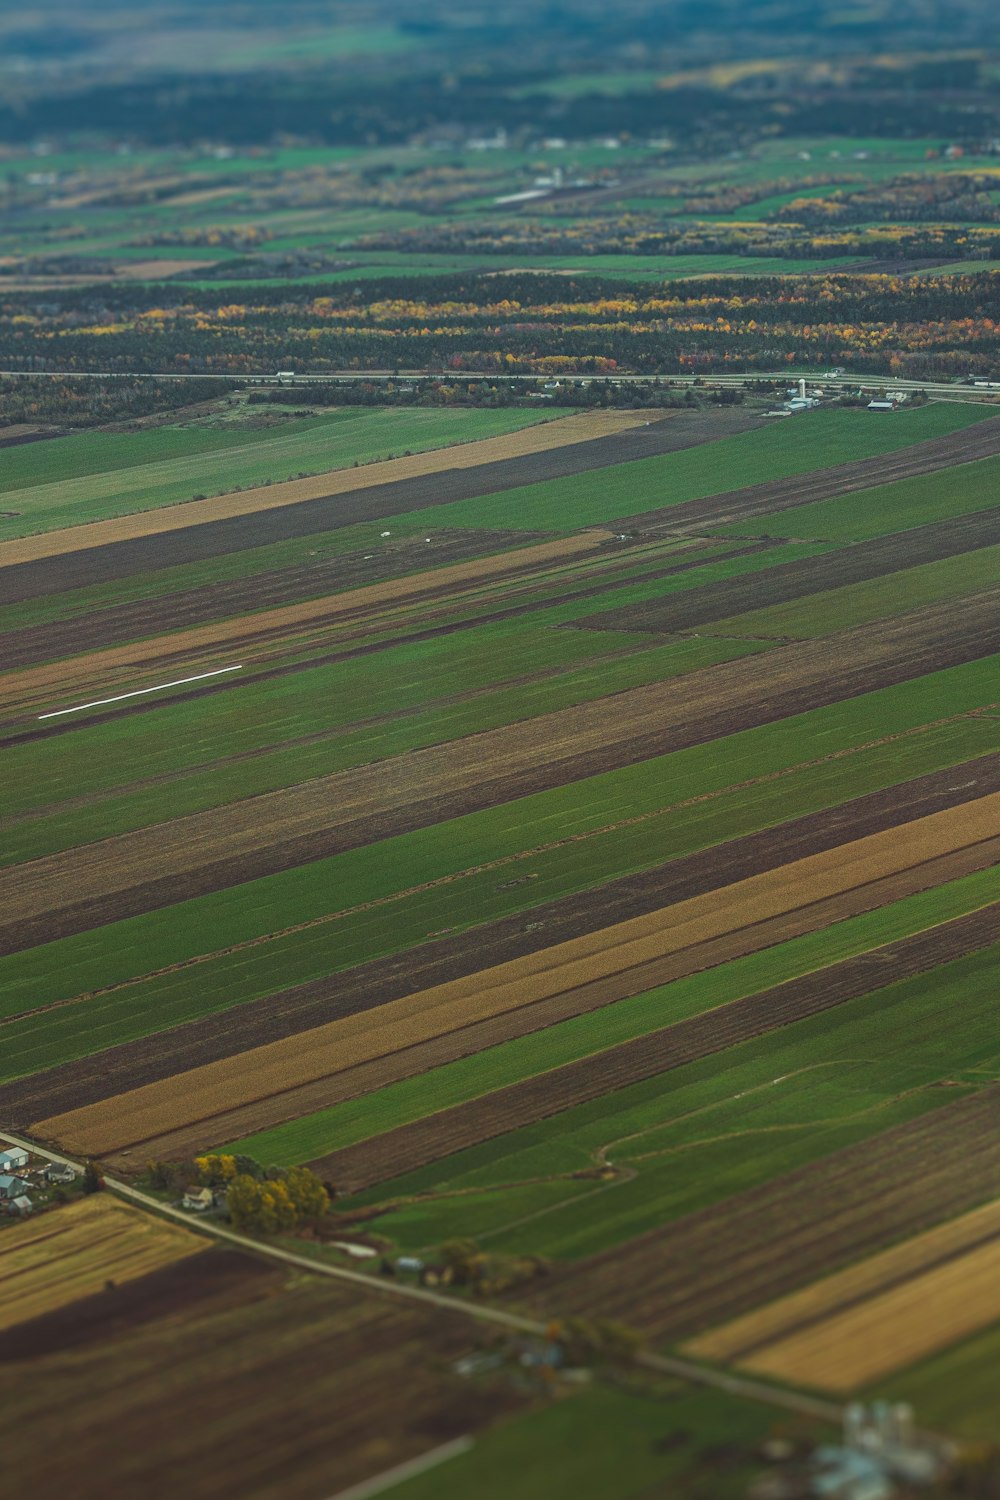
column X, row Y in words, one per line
column 15, row 1186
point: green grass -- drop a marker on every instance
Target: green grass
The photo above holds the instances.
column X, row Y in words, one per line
column 166, row 466
column 117, row 954
column 400, row 1103
column 888, row 507
column 725, row 1123
column 609, row 1443
column 954, row 1391
column 814, row 440
column 876, row 599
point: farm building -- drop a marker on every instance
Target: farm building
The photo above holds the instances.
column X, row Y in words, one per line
column 13, row 1159
column 60, row 1172
column 881, row 406
column 21, row 1205
column 198, row 1199
column 11, row 1187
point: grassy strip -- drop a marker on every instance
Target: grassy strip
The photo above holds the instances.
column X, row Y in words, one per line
column 454, row 1083
column 134, row 483
column 887, row 507
column 815, row 440
column 875, row 599
column 954, row 1391
column 199, row 789
column 119, row 953
column 725, row 1123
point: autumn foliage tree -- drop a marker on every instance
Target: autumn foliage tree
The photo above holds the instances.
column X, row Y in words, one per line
column 276, row 1204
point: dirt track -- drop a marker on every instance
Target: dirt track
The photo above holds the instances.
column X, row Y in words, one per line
column 149, row 1059
column 725, row 1260
column 158, row 866
column 605, row 954
column 410, row 1060
column 423, row 1141
column 102, row 563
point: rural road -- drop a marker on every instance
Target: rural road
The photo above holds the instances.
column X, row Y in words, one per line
column 662, row 1364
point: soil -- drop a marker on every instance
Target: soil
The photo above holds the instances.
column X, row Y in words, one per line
column 131, row 1065
column 159, row 866
column 722, row 1261
column 621, row 959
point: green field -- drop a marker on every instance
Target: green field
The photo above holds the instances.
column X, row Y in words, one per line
column 608, row 1443
column 859, row 603
column 954, row 1391
column 383, row 873
column 398, row 1104
column 888, row 507
column 814, row 440
column 95, row 475
column 722, row 1124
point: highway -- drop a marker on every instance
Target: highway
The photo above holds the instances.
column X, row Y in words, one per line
column 845, row 382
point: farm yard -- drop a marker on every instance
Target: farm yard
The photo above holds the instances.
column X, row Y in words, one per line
column 600, row 865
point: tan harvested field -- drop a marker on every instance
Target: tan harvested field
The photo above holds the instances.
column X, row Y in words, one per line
column 79, row 674
column 579, row 428
column 834, row 985
column 608, row 953
column 906, row 1304
column 777, row 1324
column 73, row 1252
column 170, row 862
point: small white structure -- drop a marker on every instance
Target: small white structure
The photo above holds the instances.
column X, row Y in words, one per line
column 198, row 1200
column 13, row 1159
column 11, row 1187
column 21, row 1206
column 60, row 1171
column 881, row 405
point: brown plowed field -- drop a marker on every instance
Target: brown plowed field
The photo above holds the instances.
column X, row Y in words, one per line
column 807, row 1316
column 244, row 630
column 294, row 1395
column 149, row 1059
column 806, row 576
column 452, row 1130
column 979, row 441
column 606, row 954
column 725, row 1260
column 108, row 560
column 581, row 427
column 171, row 862
column 220, row 1277
column 409, row 1061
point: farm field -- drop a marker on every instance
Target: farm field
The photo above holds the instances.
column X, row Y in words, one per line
column 859, row 1325
column 602, row 879
column 500, row 749
column 70, row 481
column 73, row 1252
column 225, row 1326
